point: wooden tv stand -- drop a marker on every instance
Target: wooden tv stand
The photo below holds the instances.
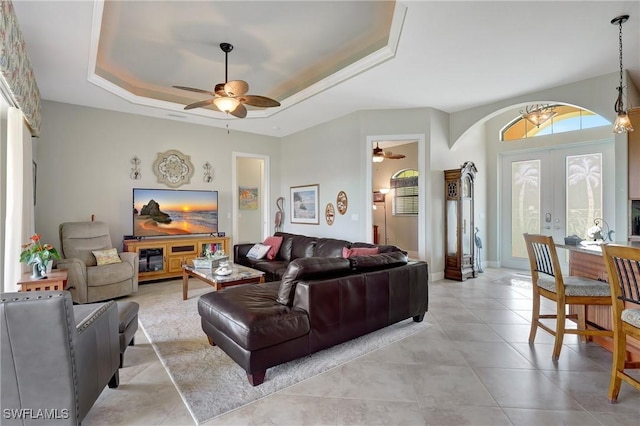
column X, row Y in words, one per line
column 163, row 257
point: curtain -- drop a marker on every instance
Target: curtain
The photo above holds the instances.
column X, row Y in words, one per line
column 19, row 197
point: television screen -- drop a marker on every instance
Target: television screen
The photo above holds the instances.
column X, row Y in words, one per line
column 174, row 212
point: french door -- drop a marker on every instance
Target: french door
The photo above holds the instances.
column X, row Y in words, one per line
column 556, row 192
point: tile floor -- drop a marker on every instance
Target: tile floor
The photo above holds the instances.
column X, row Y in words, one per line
column 474, row 366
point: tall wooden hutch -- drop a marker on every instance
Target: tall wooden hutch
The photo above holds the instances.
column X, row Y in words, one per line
column 458, row 225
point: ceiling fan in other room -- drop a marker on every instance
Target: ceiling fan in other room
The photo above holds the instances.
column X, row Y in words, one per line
column 231, row 96
column 379, row 155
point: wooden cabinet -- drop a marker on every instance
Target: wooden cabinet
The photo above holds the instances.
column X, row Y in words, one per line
column 590, row 264
column 634, row 155
column 633, row 139
column 458, row 225
column 163, row 257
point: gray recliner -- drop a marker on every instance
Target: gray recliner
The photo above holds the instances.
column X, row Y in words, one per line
column 87, row 281
column 56, row 357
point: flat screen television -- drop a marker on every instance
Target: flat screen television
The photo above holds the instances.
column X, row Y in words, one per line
column 165, row 212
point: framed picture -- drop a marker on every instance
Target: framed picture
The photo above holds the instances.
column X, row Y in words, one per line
column 248, row 198
column 304, row 204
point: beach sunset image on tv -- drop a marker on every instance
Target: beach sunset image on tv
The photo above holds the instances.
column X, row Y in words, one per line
column 174, row 212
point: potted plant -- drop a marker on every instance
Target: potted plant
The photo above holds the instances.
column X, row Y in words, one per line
column 39, row 255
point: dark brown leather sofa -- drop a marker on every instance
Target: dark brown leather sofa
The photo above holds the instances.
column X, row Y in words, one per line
column 295, row 246
column 320, row 302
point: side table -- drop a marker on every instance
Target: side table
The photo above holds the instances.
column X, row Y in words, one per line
column 56, row 280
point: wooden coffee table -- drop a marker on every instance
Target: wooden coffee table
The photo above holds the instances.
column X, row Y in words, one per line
column 240, row 275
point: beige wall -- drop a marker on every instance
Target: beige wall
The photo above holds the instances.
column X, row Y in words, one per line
column 84, row 156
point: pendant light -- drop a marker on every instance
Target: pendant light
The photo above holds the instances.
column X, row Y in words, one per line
column 622, row 124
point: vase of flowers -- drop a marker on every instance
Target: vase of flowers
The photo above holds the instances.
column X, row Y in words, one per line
column 39, row 255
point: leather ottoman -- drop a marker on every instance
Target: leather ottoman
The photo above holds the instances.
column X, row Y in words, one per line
column 249, row 324
column 127, row 325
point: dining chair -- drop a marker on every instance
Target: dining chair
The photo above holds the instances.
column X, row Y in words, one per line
column 623, row 268
column 548, row 281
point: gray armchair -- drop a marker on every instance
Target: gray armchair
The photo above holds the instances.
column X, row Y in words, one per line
column 87, row 281
column 56, row 357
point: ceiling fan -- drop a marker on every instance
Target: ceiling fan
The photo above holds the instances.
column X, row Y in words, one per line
column 230, row 97
column 379, row 155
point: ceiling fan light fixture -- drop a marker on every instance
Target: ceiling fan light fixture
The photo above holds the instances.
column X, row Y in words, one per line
column 378, row 154
column 226, row 104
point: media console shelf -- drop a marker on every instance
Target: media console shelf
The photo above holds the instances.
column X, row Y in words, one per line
column 163, row 257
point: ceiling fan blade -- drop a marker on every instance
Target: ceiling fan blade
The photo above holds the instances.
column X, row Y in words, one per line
column 199, row 104
column 236, row 87
column 390, row 155
column 219, row 89
column 191, row 89
column 240, row 111
column 259, row 101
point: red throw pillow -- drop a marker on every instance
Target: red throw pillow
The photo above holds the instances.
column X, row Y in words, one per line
column 359, row 251
column 274, row 243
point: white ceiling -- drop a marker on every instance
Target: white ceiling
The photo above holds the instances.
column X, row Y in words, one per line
column 449, row 55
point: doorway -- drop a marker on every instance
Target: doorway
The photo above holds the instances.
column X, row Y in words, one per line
column 250, row 195
column 386, row 224
column 556, row 192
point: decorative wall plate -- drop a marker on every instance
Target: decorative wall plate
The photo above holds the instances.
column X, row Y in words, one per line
column 329, row 214
column 342, row 202
column 173, row 168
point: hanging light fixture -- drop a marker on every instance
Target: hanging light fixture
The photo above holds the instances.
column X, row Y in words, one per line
column 378, row 154
column 538, row 114
column 622, row 124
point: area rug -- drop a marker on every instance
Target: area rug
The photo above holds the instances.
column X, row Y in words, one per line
column 209, row 382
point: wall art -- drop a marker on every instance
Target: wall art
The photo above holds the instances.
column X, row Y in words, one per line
column 304, row 204
column 329, row 214
column 247, row 198
column 342, row 202
column 173, row 168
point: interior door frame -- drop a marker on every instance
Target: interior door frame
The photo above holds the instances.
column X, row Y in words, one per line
column 422, row 185
column 263, row 191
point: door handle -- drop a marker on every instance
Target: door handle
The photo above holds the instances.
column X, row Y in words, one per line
column 547, row 217
column 547, row 227
column 558, row 227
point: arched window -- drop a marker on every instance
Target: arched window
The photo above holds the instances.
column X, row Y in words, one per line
column 567, row 119
column 405, row 194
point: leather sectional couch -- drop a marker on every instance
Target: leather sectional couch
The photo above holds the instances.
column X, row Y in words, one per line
column 295, row 246
column 320, row 302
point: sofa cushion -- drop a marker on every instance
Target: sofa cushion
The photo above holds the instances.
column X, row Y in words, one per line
column 309, row 268
column 106, row 257
column 275, row 243
column 377, row 261
column 250, row 316
column 258, row 251
column 285, row 248
column 330, row 247
column 302, row 247
column 109, row 274
column 381, row 248
column 359, row 251
column 273, row 267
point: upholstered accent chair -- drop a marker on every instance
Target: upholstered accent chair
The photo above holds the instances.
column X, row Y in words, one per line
column 623, row 269
column 56, row 357
column 549, row 282
column 87, row 281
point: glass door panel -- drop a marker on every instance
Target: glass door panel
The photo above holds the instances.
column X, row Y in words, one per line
column 556, row 192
